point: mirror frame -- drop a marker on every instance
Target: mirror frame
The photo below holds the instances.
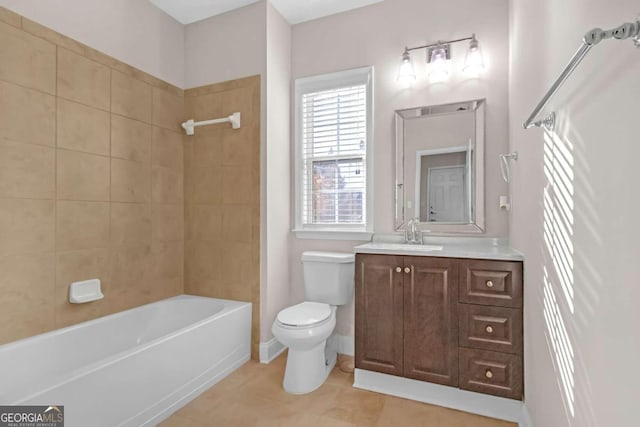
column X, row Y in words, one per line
column 476, row 227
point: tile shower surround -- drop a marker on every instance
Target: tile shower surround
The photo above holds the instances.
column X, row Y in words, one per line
column 92, row 183
column 222, row 196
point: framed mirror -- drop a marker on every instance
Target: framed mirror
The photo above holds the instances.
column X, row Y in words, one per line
column 440, row 167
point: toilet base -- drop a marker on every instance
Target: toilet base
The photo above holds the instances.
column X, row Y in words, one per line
column 308, row 369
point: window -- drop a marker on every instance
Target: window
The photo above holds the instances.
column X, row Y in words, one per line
column 333, row 159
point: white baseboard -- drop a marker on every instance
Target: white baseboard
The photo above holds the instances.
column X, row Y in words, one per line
column 270, row 350
column 346, row 345
column 526, row 418
column 449, row 397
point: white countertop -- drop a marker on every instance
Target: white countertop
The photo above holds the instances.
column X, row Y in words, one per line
column 448, row 247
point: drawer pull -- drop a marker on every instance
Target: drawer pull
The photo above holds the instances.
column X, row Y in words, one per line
column 407, row 270
column 488, row 374
column 398, row 269
column 489, row 329
column 489, row 284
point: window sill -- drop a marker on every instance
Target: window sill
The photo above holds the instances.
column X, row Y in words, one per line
column 329, row 234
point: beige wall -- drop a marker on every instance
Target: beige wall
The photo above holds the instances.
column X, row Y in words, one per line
column 276, row 203
column 375, row 35
column 226, row 47
column 354, row 39
column 135, row 32
column 90, row 181
column 577, row 225
column 222, row 196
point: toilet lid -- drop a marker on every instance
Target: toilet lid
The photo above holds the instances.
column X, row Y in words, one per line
column 304, row 314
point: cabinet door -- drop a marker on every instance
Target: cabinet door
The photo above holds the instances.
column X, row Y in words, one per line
column 379, row 313
column 431, row 320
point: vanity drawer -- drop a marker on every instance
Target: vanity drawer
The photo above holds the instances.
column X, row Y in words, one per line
column 490, row 372
column 490, row 328
column 497, row 283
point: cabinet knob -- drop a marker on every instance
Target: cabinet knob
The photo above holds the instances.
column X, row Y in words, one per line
column 407, row 270
column 489, row 329
column 488, row 374
column 398, row 269
column 489, row 284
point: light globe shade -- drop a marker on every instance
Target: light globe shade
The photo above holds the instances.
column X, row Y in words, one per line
column 439, row 68
column 406, row 73
column 474, row 62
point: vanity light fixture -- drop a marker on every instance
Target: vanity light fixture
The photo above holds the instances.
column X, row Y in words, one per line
column 438, row 63
column 473, row 62
column 438, row 57
column 407, row 73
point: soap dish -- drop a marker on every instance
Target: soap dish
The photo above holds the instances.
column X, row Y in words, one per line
column 85, row 291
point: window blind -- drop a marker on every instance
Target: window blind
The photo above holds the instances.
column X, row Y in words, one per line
column 334, row 132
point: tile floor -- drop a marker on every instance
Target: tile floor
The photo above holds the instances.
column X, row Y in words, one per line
column 253, row 396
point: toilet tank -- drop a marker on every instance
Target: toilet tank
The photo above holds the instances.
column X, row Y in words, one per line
column 328, row 277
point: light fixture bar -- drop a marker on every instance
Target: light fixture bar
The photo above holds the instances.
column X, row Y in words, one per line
column 438, row 43
column 438, row 56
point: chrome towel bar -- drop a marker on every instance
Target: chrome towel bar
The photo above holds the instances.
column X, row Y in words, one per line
column 592, row 38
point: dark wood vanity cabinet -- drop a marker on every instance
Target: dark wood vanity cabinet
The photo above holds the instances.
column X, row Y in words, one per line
column 450, row 321
column 406, row 317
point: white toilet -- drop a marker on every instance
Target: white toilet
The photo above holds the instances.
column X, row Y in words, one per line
column 306, row 328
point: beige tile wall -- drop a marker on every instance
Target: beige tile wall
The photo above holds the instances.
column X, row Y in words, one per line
column 222, row 196
column 91, row 181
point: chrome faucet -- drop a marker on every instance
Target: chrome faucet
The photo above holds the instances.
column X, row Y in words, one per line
column 412, row 233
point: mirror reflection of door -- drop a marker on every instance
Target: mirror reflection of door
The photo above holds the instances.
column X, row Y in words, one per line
column 446, row 194
column 443, row 185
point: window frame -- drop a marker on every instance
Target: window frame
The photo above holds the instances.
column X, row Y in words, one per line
column 305, row 85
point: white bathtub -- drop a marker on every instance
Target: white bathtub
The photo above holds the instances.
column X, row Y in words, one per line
column 133, row 368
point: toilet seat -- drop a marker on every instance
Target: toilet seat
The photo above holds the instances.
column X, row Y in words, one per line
column 304, row 314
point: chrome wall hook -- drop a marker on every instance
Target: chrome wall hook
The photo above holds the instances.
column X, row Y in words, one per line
column 504, row 165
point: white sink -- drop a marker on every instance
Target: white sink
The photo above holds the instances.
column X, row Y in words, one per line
column 404, row 247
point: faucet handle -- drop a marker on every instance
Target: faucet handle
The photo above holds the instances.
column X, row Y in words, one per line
column 411, row 233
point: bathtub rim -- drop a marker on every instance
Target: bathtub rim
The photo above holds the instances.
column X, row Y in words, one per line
column 59, row 331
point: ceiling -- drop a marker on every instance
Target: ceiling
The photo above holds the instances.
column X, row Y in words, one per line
column 294, row 11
